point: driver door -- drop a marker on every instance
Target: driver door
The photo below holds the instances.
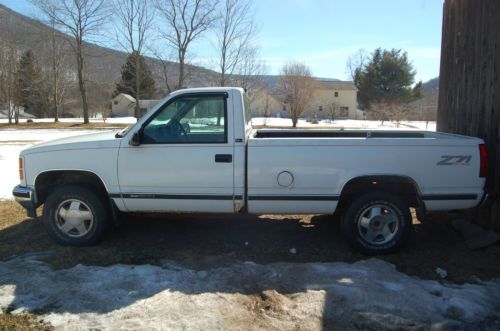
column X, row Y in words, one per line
column 184, row 162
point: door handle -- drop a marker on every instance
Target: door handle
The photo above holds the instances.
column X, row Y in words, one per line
column 223, row 158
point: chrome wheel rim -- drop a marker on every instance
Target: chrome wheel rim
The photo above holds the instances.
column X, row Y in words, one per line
column 74, row 218
column 378, row 224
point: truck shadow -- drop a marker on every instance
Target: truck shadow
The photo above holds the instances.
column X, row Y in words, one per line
column 210, row 243
column 192, row 237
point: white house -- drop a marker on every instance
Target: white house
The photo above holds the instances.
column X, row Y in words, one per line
column 264, row 104
column 123, row 105
column 332, row 99
column 337, row 97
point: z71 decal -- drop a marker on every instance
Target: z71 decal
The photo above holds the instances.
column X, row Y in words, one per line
column 455, row 160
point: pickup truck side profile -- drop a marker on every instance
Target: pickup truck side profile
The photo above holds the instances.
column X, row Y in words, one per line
column 196, row 151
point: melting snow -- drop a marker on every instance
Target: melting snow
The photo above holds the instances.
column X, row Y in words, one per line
column 12, row 142
column 304, row 295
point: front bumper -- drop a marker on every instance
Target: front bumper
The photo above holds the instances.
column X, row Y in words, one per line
column 26, row 198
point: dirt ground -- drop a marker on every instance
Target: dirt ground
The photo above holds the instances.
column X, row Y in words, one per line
column 199, row 241
column 208, row 242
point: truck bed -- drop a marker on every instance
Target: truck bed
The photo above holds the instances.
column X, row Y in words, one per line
column 280, row 133
column 319, row 163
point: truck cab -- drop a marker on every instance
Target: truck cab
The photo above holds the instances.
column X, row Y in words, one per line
column 187, row 155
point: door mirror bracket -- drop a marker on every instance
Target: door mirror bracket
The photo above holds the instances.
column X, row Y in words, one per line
column 136, row 139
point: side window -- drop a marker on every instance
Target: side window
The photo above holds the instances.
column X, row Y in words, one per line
column 199, row 119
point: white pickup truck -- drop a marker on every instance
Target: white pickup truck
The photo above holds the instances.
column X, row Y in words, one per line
column 196, row 151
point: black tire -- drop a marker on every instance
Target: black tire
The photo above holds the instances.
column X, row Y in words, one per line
column 372, row 231
column 89, row 219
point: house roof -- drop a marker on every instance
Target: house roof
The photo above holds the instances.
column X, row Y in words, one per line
column 22, row 114
column 142, row 102
column 127, row 96
column 338, row 85
column 3, row 114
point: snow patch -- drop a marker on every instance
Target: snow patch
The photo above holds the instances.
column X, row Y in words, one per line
column 112, row 120
column 347, row 124
column 13, row 141
column 274, row 296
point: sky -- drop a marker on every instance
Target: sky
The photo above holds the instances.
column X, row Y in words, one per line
column 323, row 33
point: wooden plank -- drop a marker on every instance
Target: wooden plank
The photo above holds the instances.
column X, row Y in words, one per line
column 469, row 87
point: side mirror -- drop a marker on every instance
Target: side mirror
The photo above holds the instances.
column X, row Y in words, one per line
column 136, row 139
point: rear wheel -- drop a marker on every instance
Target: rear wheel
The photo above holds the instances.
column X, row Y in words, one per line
column 74, row 215
column 377, row 223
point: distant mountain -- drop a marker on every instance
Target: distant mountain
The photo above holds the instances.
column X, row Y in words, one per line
column 432, row 86
column 103, row 64
column 427, row 105
column 271, row 81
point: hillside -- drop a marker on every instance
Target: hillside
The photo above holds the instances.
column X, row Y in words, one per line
column 432, row 86
column 103, row 64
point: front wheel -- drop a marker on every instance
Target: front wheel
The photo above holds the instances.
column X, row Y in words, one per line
column 74, row 215
column 377, row 223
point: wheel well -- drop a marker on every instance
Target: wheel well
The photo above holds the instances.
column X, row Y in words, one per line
column 403, row 187
column 46, row 182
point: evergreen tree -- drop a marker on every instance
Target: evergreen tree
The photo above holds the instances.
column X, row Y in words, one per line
column 386, row 78
column 137, row 79
column 30, row 85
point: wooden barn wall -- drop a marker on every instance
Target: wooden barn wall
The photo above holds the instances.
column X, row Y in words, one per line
column 469, row 87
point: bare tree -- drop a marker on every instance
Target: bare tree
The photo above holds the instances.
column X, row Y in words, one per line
column 250, row 70
column 101, row 94
column 332, row 107
column 80, row 19
column 356, row 62
column 165, row 73
column 429, row 114
column 389, row 111
column 235, row 32
column 186, row 21
column 162, row 68
column 378, row 112
column 296, row 88
column 57, row 74
column 134, row 21
column 7, row 78
column 267, row 107
column 8, row 67
column 399, row 112
column 427, row 107
column 250, row 73
column 54, row 56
